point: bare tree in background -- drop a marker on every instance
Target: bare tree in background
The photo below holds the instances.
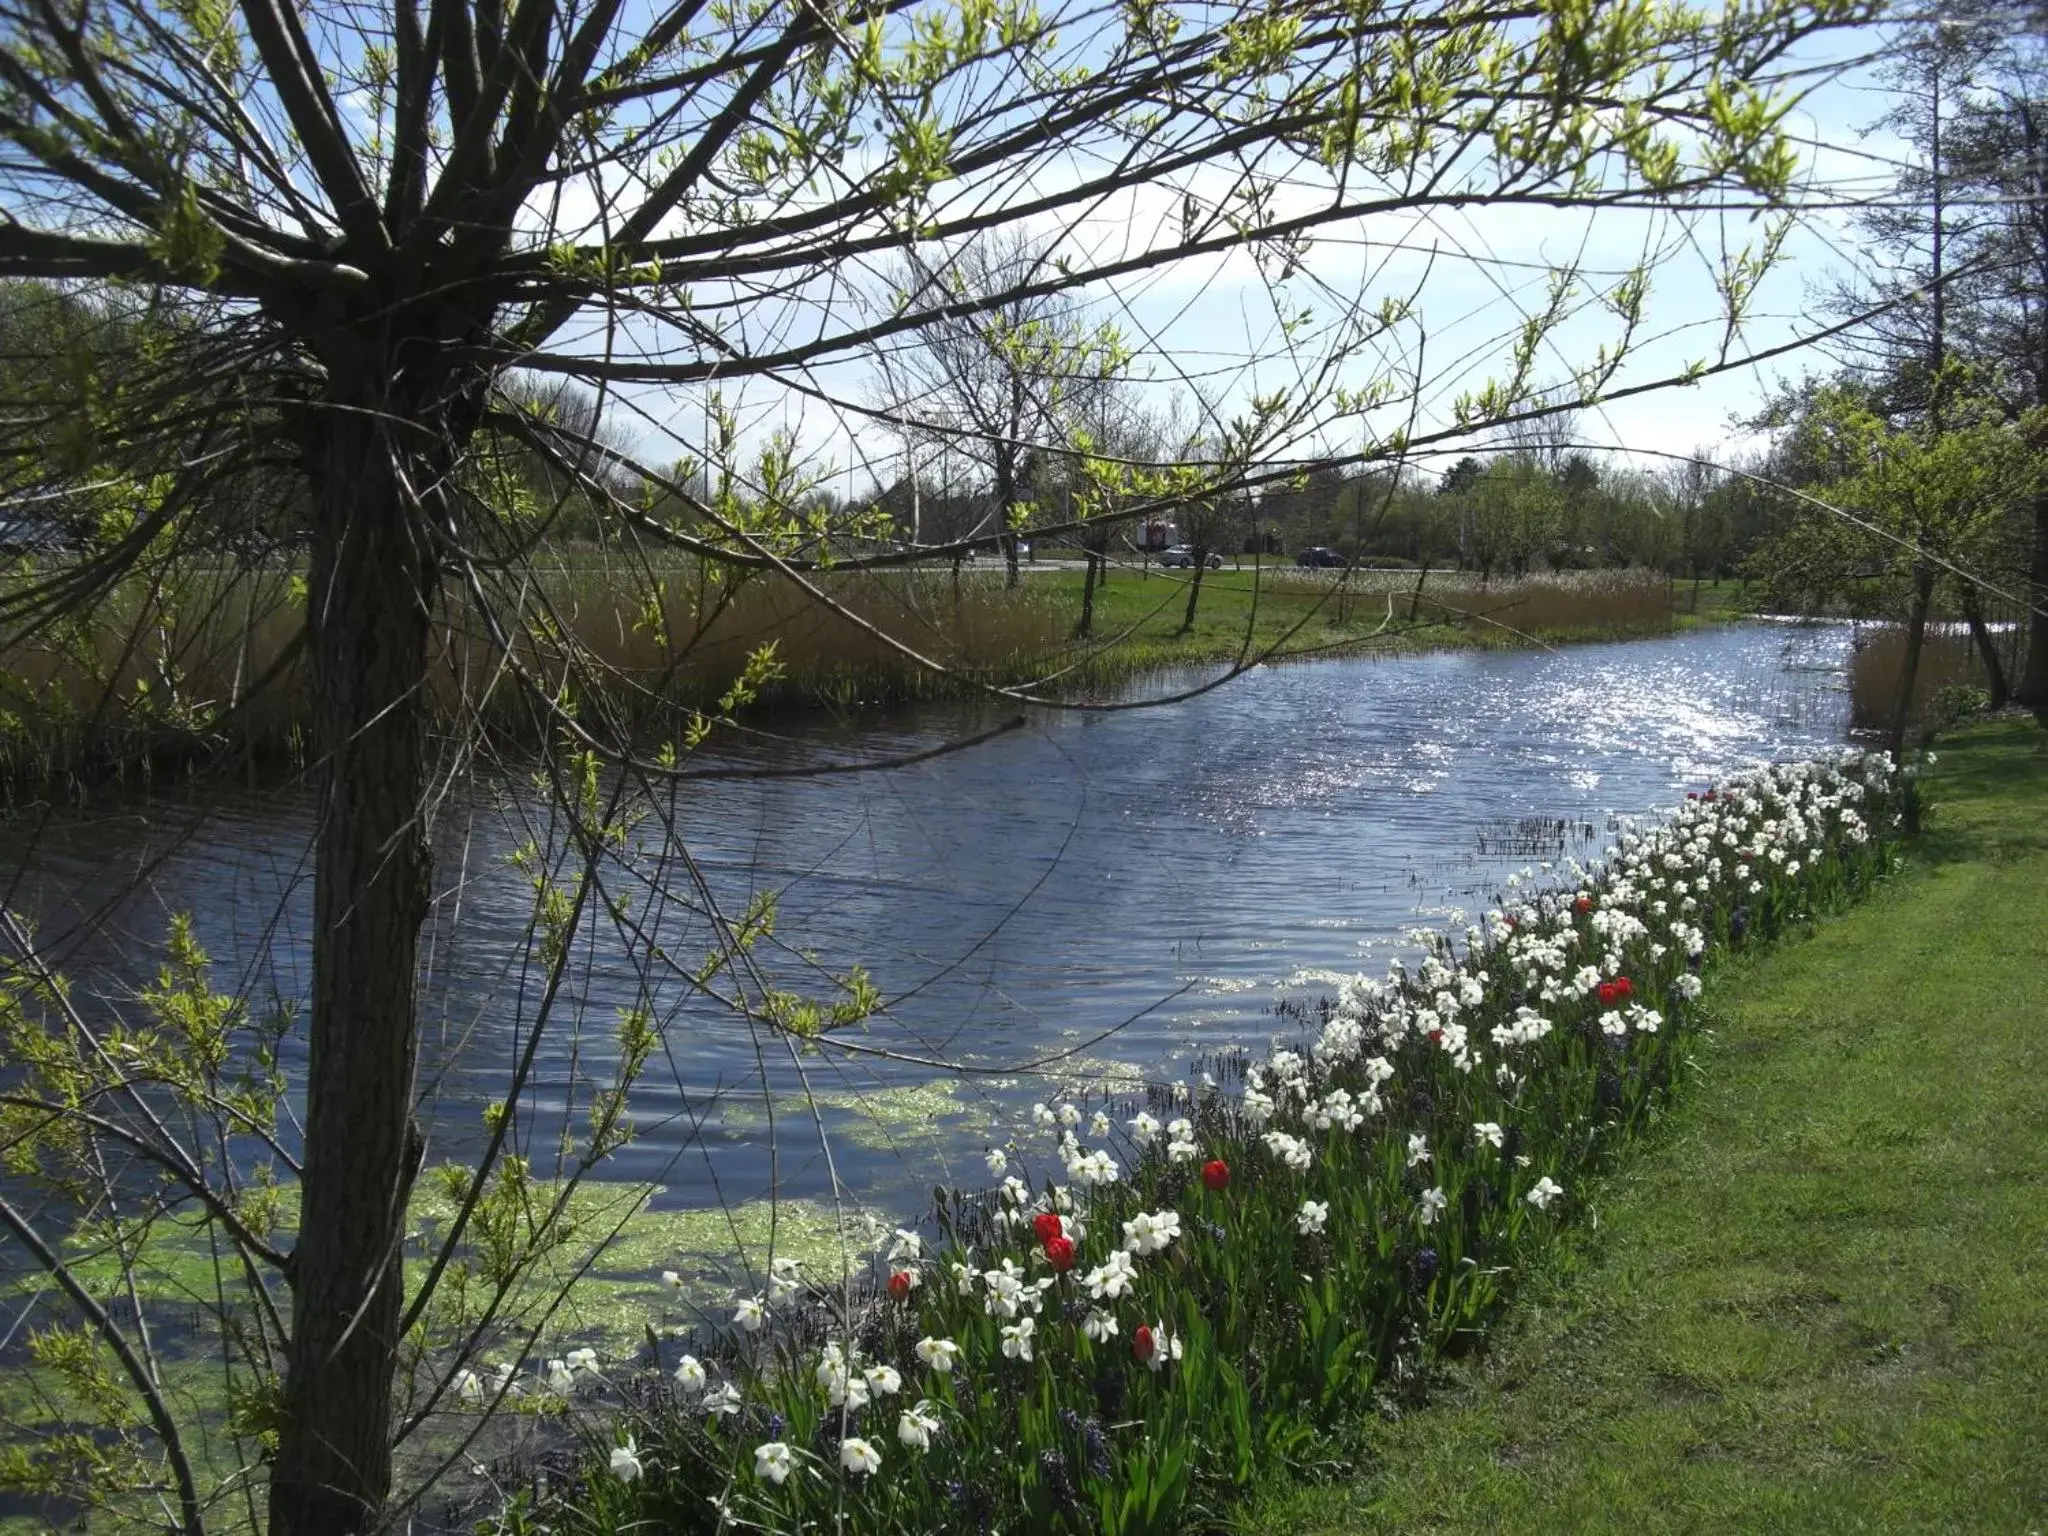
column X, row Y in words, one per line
column 385, row 208
column 1003, row 375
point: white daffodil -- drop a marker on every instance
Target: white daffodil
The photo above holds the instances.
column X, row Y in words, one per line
column 997, row 1162
column 1111, row 1278
column 583, row 1362
column 558, row 1378
column 1099, row 1325
column 883, row 1380
column 1165, row 1347
column 916, row 1426
column 690, row 1374
column 722, row 1399
column 774, row 1462
column 671, row 1279
column 908, row 1245
column 1017, row 1338
column 751, row 1314
column 1542, row 1192
column 1151, row 1231
column 1433, row 1202
column 1488, row 1132
column 859, row 1457
column 939, row 1354
column 469, row 1386
column 1311, row 1217
column 626, row 1462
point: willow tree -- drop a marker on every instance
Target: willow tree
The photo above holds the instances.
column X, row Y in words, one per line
column 385, row 206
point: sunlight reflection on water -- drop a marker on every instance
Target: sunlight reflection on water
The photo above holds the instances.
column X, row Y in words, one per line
column 1180, row 869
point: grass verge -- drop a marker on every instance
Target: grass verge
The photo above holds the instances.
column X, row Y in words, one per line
column 1819, row 1301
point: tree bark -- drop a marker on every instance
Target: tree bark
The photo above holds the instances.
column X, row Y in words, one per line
column 2033, row 686
column 369, row 608
column 1086, row 626
column 1195, row 589
column 1987, row 650
column 1916, row 633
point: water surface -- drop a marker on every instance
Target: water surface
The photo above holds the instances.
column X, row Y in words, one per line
column 1106, row 892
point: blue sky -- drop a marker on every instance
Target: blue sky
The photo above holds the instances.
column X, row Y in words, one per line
column 1475, row 272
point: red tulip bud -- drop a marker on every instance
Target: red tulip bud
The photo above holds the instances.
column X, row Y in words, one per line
column 1047, row 1225
column 1215, row 1174
column 1059, row 1253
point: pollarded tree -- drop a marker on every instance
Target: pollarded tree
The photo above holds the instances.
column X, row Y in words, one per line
column 390, row 205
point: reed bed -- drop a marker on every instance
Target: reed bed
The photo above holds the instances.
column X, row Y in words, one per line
column 1877, row 667
column 201, row 663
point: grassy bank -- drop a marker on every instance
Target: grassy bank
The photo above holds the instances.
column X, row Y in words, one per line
column 1819, row 1302
column 201, row 663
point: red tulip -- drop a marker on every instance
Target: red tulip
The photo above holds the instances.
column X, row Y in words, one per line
column 1215, row 1174
column 1624, row 988
column 1583, row 905
column 1141, row 1344
column 1047, row 1225
column 1608, row 993
column 899, row 1285
column 1059, row 1253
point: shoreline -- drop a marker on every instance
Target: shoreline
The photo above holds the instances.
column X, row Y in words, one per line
column 68, row 736
column 1813, row 1298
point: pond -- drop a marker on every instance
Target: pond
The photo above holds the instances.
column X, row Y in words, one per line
column 1099, row 896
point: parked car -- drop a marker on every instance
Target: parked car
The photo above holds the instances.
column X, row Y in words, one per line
column 1181, row 558
column 1319, row 557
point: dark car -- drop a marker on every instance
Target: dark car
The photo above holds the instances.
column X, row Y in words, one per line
column 1319, row 557
column 1180, row 557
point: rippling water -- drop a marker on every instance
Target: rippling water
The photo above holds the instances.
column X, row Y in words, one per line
column 1110, row 890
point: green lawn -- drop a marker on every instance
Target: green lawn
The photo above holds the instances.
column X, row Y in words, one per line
column 1818, row 1300
column 1311, row 612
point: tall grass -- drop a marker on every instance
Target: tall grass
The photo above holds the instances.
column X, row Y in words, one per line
column 202, row 662
column 1877, row 668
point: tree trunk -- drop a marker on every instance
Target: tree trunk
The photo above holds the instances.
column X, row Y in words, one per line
column 1987, row 652
column 1195, row 589
column 1006, row 505
column 2033, row 687
column 1086, row 626
column 1415, row 597
column 1916, row 632
column 369, row 602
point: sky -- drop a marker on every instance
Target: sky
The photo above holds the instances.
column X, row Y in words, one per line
column 1474, row 274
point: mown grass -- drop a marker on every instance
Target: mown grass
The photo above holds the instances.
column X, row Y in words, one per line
column 1242, row 610
column 1820, row 1301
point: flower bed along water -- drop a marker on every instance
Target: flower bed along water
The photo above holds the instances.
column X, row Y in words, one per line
column 1166, row 1298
